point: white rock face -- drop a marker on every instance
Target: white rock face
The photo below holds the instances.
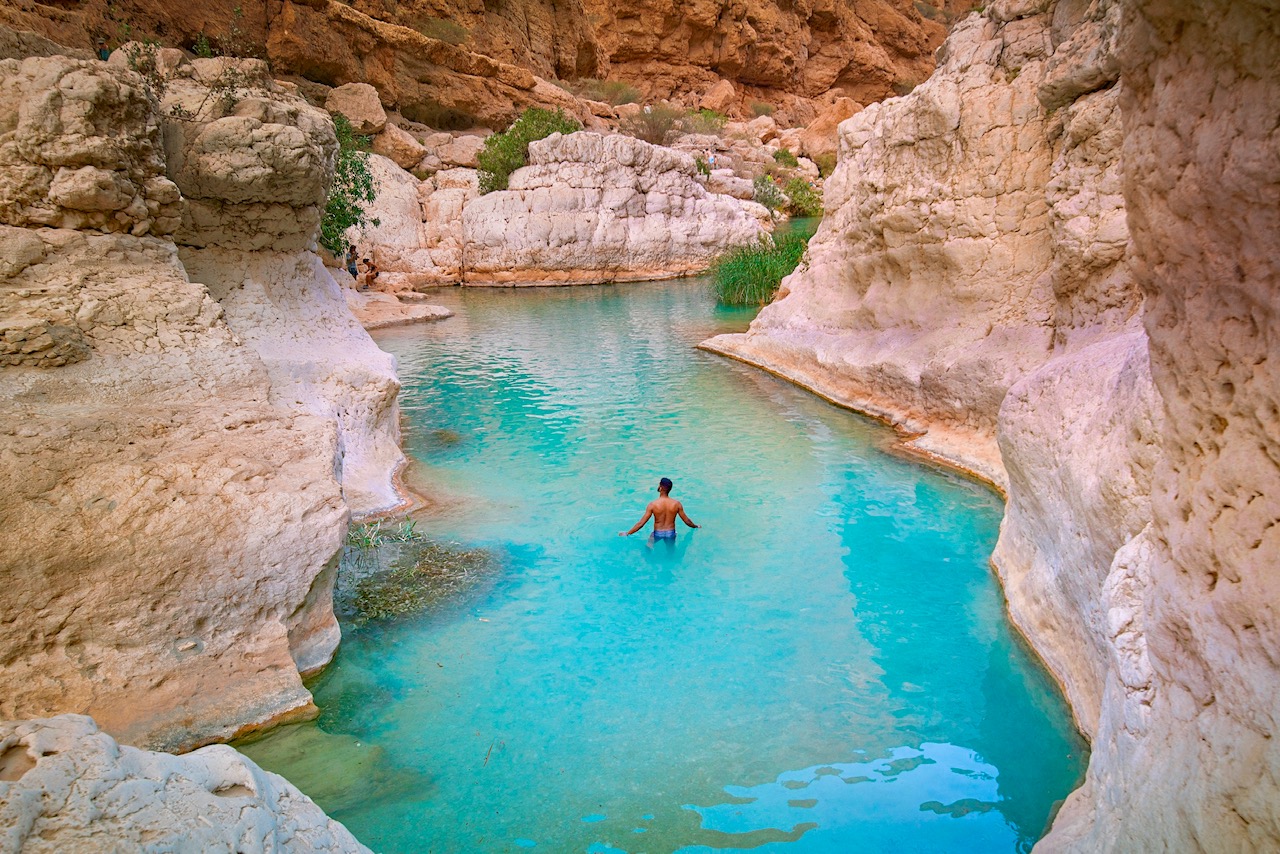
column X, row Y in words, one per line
column 587, row 209
column 1057, row 257
column 174, row 481
column 67, row 787
column 592, row 208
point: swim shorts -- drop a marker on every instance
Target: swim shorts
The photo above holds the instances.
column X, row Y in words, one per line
column 664, row 535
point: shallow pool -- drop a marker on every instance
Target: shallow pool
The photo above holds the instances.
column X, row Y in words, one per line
column 825, row 666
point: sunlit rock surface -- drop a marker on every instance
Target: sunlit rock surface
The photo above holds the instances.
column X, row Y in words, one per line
column 175, row 467
column 67, row 787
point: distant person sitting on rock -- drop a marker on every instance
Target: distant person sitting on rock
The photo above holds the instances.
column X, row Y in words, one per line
column 370, row 273
column 104, row 52
column 664, row 509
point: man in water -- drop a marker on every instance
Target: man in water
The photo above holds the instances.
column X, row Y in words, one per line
column 664, row 509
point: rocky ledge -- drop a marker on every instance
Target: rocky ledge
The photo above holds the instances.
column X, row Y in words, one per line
column 67, row 787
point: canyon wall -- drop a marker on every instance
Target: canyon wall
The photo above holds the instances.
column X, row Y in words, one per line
column 178, row 478
column 448, row 63
column 1053, row 264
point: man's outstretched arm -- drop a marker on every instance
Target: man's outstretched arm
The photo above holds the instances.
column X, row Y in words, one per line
column 687, row 520
column 648, row 513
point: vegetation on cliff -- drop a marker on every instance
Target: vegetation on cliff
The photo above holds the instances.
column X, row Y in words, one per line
column 750, row 275
column 505, row 152
column 352, row 190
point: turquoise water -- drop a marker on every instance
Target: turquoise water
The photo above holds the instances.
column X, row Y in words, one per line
column 825, row 666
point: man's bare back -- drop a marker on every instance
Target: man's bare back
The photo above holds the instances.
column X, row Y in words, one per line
column 663, row 510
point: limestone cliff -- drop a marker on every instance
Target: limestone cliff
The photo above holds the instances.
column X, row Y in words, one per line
column 586, row 209
column 67, row 787
column 1055, row 260
column 177, row 479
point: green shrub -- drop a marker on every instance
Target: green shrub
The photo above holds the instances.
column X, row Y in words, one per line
column 769, row 194
column 750, row 275
column 351, row 191
column 654, row 124
column 783, row 157
column 802, row 200
column 760, row 108
column 826, row 164
column 704, row 168
column 705, row 122
column 505, row 152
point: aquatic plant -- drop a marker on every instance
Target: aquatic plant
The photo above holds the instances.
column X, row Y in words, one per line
column 427, row 573
column 802, row 199
column 750, row 275
column 505, row 152
column 352, row 190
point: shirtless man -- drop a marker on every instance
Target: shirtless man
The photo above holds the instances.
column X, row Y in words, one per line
column 664, row 509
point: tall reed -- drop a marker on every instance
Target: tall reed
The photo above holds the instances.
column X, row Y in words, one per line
column 750, row 275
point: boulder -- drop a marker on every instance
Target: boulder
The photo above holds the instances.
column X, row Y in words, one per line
column 360, row 103
column 399, row 146
column 763, row 128
column 67, row 786
column 721, row 97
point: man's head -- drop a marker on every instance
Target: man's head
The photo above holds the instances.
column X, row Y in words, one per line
column 664, row 486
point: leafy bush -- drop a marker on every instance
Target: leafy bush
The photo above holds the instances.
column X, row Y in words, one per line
column 826, row 164
column 655, row 124
column 351, row 191
column 769, row 194
column 760, row 108
column 505, row 152
column 783, row 157
column 750, row 275
column 704, row 168
column 802, row 200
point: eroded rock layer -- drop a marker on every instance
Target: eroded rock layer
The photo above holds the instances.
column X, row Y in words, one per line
column 178, row 475
column 1056, row 260
column 448, row 63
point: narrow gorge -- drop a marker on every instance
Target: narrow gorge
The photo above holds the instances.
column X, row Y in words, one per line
column 1049, row 262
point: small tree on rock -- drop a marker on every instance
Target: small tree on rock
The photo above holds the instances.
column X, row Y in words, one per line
column 352, row 190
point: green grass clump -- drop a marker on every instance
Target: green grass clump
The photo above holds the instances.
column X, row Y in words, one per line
column 760, row 108
column 505, row 152
column 783, row 157
column 802, row 200
column 750, row 275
